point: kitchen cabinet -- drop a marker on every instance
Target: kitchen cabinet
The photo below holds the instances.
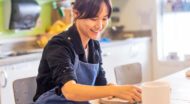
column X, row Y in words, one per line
column 125, row 52
column 10, row 73
column 114, row 54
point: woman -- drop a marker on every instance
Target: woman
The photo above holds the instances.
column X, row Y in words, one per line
column 70, row 70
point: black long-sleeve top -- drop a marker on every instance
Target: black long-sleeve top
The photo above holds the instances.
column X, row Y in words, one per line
column 56, row 65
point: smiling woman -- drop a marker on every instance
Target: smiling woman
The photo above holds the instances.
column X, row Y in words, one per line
column 90, row 25
column 70, row 70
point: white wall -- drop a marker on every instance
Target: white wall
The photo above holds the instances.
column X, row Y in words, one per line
column 135, row 14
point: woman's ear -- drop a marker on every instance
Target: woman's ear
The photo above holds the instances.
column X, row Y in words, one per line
column 75, row 14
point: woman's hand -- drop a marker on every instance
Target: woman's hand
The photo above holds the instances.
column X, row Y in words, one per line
column 111, row 84
column 128, row 92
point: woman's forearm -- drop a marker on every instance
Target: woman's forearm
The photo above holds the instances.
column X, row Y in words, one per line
column 78, row 92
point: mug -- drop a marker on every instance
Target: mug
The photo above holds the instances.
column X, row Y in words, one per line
column 156, row 92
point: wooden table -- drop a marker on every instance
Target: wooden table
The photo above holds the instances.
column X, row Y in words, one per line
column 180, row 85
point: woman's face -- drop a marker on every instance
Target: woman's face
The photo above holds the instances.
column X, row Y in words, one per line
column 91, row 28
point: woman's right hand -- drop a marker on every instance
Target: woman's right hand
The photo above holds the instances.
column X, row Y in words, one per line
column 128, row 92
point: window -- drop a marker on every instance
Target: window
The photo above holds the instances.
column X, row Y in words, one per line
column 175, row 39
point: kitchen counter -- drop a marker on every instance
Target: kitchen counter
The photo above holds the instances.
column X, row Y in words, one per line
column 37, row 55
column 123, row 42
column 20, row 59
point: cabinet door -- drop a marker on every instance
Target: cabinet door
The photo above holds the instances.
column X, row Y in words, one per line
column 2, row 81
column 14, row 72
column 112, row 57
column 132, row 51
column 141, row 52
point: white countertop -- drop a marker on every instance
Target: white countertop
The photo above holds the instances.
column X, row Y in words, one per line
column 123, row 42
column 19, row 59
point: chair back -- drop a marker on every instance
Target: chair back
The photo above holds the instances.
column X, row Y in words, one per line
column 128, row 74
column 24, row 90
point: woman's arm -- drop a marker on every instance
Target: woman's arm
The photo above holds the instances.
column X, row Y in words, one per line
column 77, row 92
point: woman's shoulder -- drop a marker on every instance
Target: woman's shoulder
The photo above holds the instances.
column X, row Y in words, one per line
column 61, row 39
column 59, row 44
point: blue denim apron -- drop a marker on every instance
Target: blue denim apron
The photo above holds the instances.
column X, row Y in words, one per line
column 86, row 74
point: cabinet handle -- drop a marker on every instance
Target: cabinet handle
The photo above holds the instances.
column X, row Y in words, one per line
column 133, row 50
column 106, row 54
column 3, row 74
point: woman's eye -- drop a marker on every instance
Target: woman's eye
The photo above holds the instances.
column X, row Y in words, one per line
column 93, row 19
column 105, row 19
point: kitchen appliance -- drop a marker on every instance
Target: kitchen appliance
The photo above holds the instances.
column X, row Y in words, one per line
column 24, row 14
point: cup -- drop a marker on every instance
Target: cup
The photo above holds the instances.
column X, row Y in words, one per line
column 156, row 92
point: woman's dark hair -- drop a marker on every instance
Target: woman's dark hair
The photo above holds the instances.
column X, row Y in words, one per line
column 90, row 8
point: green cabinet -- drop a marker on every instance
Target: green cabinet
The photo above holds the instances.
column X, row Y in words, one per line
column 1, row 16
